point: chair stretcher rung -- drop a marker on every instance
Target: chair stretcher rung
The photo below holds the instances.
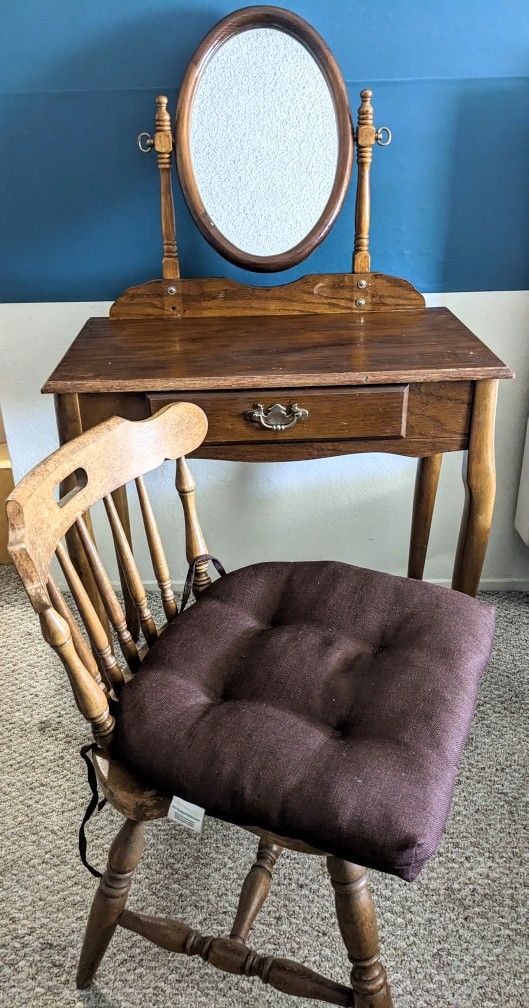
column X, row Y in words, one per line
column 231, row 957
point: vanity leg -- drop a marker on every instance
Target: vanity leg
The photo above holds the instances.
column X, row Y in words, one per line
column 479, row 477
column 69, row 426
column 426, row 481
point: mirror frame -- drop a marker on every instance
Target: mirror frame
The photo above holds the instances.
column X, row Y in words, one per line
column 234, row 24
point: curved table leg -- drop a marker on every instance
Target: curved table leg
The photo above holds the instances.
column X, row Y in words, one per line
column 426, row 481
column 479, row 477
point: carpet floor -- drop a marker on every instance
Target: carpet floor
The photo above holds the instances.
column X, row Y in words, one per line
column 455, row 938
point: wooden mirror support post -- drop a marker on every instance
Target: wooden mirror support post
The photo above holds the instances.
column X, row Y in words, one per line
column 365, row 135
column 162, row 143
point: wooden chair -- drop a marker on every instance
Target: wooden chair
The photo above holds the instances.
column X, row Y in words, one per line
column 95, row 466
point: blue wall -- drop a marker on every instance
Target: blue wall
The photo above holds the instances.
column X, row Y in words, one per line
column 79, row 208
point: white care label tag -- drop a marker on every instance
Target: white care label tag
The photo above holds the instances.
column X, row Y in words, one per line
column 186, row 814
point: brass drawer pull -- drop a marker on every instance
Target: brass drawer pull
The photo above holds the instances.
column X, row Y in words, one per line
column 277, row 417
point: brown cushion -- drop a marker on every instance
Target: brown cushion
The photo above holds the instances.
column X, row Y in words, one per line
column 323, row 702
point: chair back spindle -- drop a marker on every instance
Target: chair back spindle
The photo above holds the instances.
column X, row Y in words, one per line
column 83, row 650
column 195, row 542
column 156, row 550
column 111, row 602
column 131, row 572
column 100, row 643
column 89, row 696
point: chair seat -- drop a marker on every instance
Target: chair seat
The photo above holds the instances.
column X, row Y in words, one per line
column 323, row 702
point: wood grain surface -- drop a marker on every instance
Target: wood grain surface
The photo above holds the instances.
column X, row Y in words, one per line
column 319, row 294
column 272, row 352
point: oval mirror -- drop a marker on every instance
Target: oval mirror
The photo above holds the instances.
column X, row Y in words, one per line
column 263, row 138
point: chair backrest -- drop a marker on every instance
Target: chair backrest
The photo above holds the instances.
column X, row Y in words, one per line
column 91, row 468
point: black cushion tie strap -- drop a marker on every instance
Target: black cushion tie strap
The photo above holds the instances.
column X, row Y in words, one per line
column 93, row 804
column 206, row 557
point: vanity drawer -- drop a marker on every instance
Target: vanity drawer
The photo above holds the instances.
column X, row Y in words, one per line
column 333, row 414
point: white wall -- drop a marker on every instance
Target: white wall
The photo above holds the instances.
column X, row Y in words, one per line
column 356, row 508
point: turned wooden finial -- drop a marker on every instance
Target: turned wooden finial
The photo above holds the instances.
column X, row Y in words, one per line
column 163, row 145
column 365, row 112
column 163, row 123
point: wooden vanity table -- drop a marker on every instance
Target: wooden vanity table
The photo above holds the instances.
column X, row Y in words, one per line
column 409, row 380
column 327, row 365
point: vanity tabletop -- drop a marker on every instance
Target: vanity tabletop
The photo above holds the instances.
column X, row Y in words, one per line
column 274, row 351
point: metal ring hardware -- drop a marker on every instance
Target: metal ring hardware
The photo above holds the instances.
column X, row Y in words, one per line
column 276, row 417
column 383, row 136
column 149, row 143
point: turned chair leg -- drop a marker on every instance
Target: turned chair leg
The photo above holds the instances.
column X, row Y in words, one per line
column 358, row 926
column 255, row 890
column 110, row 898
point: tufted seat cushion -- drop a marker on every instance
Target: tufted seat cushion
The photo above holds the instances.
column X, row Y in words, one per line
column 323, row 702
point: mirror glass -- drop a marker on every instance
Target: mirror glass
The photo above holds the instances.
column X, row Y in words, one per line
column 263, row 141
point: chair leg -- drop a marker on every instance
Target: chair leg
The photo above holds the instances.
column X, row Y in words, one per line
column 255, row 890
column 358, row 926
column 110, row 898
